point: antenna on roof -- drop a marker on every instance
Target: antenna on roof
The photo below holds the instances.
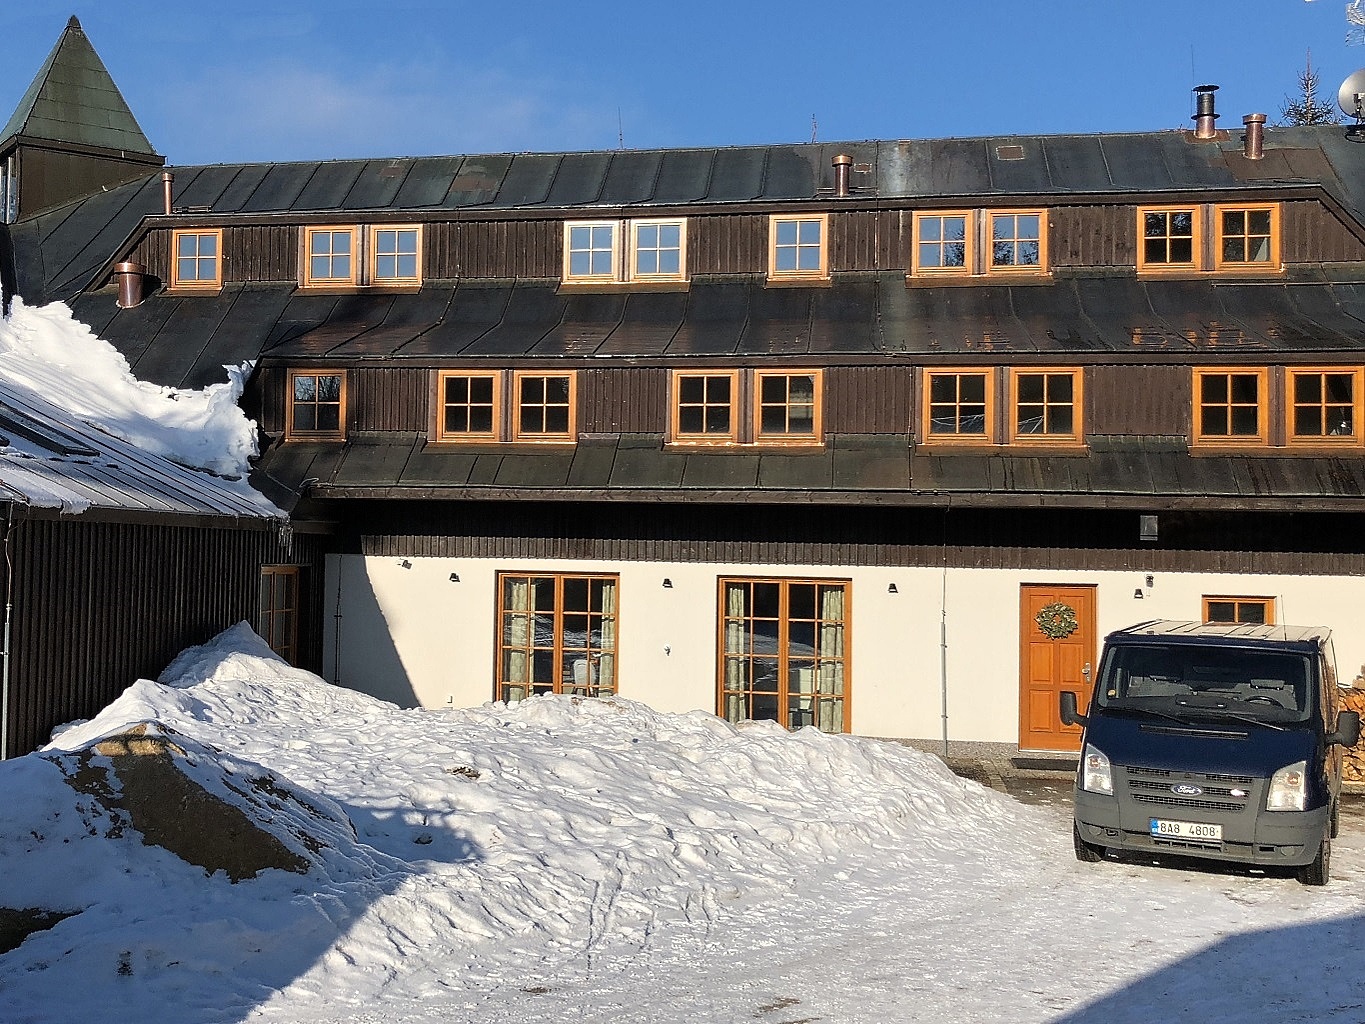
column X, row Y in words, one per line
column 620, row 130
column 813, row 128
column 1351, row 99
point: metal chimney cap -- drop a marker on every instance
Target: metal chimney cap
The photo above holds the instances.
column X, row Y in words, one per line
column 129, row 267
column 842, row 160
column 1253, row 119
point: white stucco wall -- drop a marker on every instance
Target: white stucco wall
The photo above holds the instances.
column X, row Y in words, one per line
column 413, row 636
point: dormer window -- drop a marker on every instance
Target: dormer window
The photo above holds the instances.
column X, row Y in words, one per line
column 330, row 254
column 355, row 257
column 1224, row 238
column 197, row 260
column 395, row 255
column 1170, row 238
column 1248, row 236
column 797, row 247
column 978, row 243
column 616, row 251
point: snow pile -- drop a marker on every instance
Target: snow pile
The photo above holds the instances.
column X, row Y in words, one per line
column 594, row 860
column 60, row 358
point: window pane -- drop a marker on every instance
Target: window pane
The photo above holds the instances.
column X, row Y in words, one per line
column 329, row 387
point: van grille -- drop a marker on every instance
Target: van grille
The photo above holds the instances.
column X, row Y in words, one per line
column 1152, row 787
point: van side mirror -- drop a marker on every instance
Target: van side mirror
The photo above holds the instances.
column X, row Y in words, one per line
column 1348, row 729
column 1071, row 717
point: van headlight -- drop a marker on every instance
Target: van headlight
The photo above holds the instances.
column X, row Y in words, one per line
column 1096, row 776
column 1288, row 788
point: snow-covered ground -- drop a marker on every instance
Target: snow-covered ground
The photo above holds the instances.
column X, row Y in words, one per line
column 570, row 860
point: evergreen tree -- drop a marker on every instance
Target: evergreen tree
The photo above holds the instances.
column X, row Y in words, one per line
column 1305, row 108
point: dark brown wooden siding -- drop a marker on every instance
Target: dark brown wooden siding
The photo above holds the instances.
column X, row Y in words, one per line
column 624, row 401
column 50, row 177
column 733, row 244
column 1093, row 236
column 867, row 240
column 1138, row 400
column 389, row 399
column 494, row 249
column 869, row 399
column 261, row 253
column 99, row 605
column 1048, row 540
column 1311, row 233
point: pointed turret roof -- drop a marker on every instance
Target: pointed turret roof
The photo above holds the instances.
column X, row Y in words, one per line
column 73, row 100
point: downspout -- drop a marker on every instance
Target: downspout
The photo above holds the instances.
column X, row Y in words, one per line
column 4, row 651
column 943, row 630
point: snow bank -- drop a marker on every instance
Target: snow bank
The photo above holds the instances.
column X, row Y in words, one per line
column 60, row 358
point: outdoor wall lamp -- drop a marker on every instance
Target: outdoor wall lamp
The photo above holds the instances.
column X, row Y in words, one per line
column 891, row 589
column 668, row 583
column 405, row 564
column 1137, row 594
column 454, row 577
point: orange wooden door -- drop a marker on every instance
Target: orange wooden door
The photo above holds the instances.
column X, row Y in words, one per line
column 1050, row 661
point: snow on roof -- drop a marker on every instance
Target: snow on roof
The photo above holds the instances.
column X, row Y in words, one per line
column 78, row 431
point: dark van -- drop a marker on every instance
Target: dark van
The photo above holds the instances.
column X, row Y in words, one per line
column 1214, row 740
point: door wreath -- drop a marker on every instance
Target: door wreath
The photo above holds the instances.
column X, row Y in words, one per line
column 1057, row 620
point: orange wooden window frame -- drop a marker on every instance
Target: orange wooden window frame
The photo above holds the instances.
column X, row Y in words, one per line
column 917, row 269
column 632, row 229
column 1196, row 213
column 1077, row 403
column 1291, row 404
column 986, row 436
column 988, row 244
column 817, row 434
column 617, row 253
column 784, row 627
column 372, row 255
column 306, row 270
column 676, row 434
column 197, row 283
column 501, row 646
column 1262, row 377
column 1266, row 603
column 441, row 434
column 822, row 271
column 292, row 432
column 1272, row 264
column 567, row 436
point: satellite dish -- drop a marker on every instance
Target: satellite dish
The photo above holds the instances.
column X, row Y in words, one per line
column 1351, row 95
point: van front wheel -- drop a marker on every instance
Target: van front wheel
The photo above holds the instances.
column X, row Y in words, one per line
column 1319, row 871
column 1089, row 853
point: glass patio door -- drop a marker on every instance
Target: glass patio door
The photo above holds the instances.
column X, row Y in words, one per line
column 557, row 634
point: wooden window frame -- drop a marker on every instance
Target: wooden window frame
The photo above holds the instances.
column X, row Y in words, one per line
column 306, row 269
column 569, row 436
column 197, row 283
column 1196, row 212
column 783, row 654
column 373, row 255
column 443, row 436
column 1293, row 439
column 292, row 433
column 677, row 435
column 990, row 268
column 986, row 437
column 615, row 274
column 968, row 268
column 267, row 616
column 1262, row 437
column 501, row 646
column 632, row 230
column 818, row 274
column 817, row 435
column 1077, row 434
column 1267, row 604
column 1271, row 265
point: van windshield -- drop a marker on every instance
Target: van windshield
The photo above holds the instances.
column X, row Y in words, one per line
column 1187, row 681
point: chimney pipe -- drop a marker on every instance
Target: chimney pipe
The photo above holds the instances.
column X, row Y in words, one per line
column 167, row 180
column 129, row 277
column 1253, row 142
column 843, row 163
column 1203, row 112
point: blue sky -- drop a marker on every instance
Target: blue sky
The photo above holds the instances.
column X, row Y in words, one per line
column 285, row 80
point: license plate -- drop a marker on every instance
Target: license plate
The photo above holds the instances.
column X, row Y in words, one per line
column 1186, row 830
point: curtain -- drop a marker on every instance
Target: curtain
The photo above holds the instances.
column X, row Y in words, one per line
column 516, row 636
column 736, row 650
column 831, row 659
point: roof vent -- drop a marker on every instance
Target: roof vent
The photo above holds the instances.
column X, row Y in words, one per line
column 129, row 277
column 843, row 163
column 1204, row 116
column 167, row 183
column 1253, row 142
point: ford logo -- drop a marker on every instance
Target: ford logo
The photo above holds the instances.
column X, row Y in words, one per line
column 1185, row 789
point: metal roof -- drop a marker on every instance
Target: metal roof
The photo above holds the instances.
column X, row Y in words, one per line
column 52, row 460
column 869, row 469
column 73, row 100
